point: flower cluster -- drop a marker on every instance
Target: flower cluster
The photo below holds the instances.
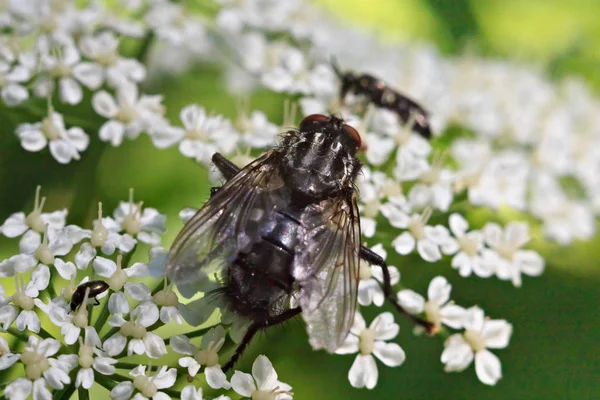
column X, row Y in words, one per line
column 522, row 139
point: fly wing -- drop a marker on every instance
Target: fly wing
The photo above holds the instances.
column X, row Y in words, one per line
column 229, row 223
column 327, row 269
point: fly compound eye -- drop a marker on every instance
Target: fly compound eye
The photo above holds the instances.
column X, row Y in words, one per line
column 353, row 134
column 313, row 120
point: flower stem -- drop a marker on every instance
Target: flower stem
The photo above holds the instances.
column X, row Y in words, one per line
column 18, row 334
column 105, row 381
column 193, row 334
column 83, row 394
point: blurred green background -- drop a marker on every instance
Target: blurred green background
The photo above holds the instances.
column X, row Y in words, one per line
column 554, row 352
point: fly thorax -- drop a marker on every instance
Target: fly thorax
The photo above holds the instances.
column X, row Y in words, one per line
column 475, row 339
column 366, row 341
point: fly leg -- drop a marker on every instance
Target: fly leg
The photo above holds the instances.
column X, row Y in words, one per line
column 225, row 167
column 375, row 259
column 254, row 328
column 97, row 302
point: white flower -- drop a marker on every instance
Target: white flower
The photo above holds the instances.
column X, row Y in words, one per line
column 480, row 334
column 190, row 392
column 116, row 277
column 256, row 130
column 143, row 224
column 505, row 255
column 148, row 386
column 371, row 280
column 106, row 236
column 24, row 300
column 40, row 370
column 104, row 50
column 175, row 24
column 467, row 247
column 427, row 239
column 142, row 341
column 12, row 78
column 203, row 135
column 434, row 188
column 166, row 300
column 90, row 358
column 208, row 356
column 129, row 114
column 368, row 342
column 438, row 309
column 65, row 144
column 70, row 72
column 267, row 386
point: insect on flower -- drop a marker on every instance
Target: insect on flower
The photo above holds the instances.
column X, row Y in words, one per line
column 382, row 95
column 93, row 288
column 282, row 237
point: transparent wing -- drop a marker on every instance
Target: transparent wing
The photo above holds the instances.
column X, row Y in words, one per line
column 229, row 223
column 327, row 269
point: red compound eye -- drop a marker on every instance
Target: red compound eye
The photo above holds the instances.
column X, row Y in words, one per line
column 314, row 119
column 353, row 134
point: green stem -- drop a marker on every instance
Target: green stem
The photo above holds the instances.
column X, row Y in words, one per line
column 193, row 334
column 18, row 334
column 145, row 47
column 104, row 314
column 45, row 334
column 83, row 394
column 105, row 381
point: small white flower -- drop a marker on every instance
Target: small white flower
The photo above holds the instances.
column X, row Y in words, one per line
column 438, row 309
column 90, row 358
column 148, row 386
column 434, row 188
column 368, row 342
column 103, row 49
column 173, row 23
column 117, row 277
column 129, row 114
column 427, row 239
column 467, row 247
column 142, row 341
column 480, row 334
column 41, row 370
column 24, row 300
column 70, row 72
column 106, row 236
column 505, row 255
column 65, row 144
column 371, row 280
column 143, row 224
column 208, row 356
column 267, row 385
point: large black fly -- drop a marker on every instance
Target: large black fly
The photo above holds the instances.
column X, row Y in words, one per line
column 382, row 95
column 282, row 236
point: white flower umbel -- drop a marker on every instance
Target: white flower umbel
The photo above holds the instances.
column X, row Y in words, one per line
column 437, row 308
column 427, row 239
column 480, row 335
column 147, row 386
column 467, row 248
column 207, row 355
column 91, row 358
column 65, row 144
column 371, row 280
column 368, row 342
column 129, row 113
column 267, row 386
column 41, row 371
column 505, row 255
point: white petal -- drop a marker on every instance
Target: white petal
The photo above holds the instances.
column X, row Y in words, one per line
column 358, row 324
column 8, row 359
column 457, row 357
column 29, row 242
column 14, row 225
column 367, row 226
column 243, row 383
column 146, row 314
column 439, row 290
column 8, row 315
column 90, row 74
column 63, row 151
column 19, row 389
column 458, row 224
column 216, row 378
column 104, row 104
column 428, row 250
column 14, row 94
column 437, row 234
column 191, row 393
column 86, row 253
column 85, row 378
column 497, row 333
column 384, row 326
column 70, row 91
column 29, row 320
column 56, row 377
column 165, row 378
column 32, row 139
column 155, row 346
column 349, row 346
column 104, row 267
column 363, row 372
column 404, row 244
column 122, row 391
column 264, row 373
column 516, row 233
column 487, row 367
column 78, row 138
column 529, row 262
column 113, row 132
column 105, row 365
column 115, row 344
column 181, row 344
column 117, row 303
column 453, row 316
column 411, row 301
column 138, row 291
column 493, row 234
column 391, row 354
